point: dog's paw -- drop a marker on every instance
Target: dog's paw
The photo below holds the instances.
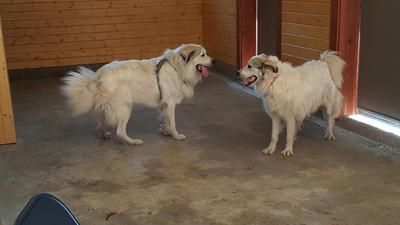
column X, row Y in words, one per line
column 164, row 131
column 135, row 142
column 179, row 137
column 329, row 137
column 287, row 152
column 106, row 135
column 269, row 151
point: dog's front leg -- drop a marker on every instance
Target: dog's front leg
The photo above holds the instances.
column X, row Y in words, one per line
column 291, row 133
column 164, row 123
column 276, row 129
column 172, row 124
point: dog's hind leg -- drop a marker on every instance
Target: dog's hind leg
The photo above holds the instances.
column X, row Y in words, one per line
column 105, row 134
column 123, row 118
column 291, row 133
column 331, row 112
column 330, row 119
column 276, row 129
column 329, row 129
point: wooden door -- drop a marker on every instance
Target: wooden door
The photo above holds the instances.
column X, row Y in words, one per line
column 7, row 127
column 379, row 44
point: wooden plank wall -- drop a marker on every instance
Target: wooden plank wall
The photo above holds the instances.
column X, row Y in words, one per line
column 48, row 33
column 305, row 29
column 7, row 127
column 219, row 29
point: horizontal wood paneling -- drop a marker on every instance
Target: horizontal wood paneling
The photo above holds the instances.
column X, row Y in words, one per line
column 306, row 7
column 113, row 35
column 46, row 33
column 304, row 41
column 305, row 19
column 302, row 52
column 219, row 29
column 305, row 29
column 30, row 7
column 320, row 1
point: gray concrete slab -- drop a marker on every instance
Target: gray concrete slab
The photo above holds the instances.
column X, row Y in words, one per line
column 217, row 176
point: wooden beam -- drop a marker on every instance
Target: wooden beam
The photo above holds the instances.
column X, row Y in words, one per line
column 279, row 39
column 345, row 39
column 246, row 31
column 7, row 127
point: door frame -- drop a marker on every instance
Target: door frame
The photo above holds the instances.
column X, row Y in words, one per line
column 345, row 39
column 246, row 21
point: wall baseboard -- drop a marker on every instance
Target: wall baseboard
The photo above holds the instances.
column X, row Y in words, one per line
column 49, row 72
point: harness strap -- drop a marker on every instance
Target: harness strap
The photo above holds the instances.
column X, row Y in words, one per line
column 157, row 73
column 159, row 65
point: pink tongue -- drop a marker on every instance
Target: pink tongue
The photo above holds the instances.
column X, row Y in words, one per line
column 204, row 71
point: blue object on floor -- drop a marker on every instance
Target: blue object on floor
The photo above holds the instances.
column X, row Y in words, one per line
column 45, row 209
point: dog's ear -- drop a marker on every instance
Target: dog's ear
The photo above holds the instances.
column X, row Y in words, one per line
column 265, row 62
column 274, row 68
column 188, row 53
column 188, row 57
column 270, row 63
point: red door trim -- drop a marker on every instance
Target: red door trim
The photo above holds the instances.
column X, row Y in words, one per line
column 345, row 38
column 246, row 30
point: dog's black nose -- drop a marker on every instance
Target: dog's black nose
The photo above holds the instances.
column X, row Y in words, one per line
column 238, row 73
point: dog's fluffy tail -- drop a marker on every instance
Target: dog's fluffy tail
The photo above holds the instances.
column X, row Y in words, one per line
column 79, row 88
column 335, row 65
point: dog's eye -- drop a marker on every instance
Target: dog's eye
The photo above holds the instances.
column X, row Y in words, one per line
column 249, row 66
column 203, row 55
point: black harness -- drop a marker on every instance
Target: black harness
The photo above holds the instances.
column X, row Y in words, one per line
column 159, row 65
column 157, row 73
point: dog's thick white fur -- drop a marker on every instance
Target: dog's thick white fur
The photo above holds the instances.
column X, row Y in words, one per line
column 113, row 90
column 292, row 93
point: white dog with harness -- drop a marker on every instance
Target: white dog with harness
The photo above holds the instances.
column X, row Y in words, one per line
column 113, row 90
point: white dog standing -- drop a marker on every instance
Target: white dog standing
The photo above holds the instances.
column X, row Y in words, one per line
column 113, row 90
column 293, row 93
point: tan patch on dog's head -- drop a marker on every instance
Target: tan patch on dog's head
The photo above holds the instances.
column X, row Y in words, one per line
column 190, row 61
column 189, row 52
column 259, row 68
column 266, row 63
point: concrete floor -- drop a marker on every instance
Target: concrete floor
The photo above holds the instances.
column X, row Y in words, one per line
column 217, row 176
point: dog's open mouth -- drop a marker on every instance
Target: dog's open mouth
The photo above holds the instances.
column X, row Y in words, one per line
column 250, row 80
column 202, row 69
